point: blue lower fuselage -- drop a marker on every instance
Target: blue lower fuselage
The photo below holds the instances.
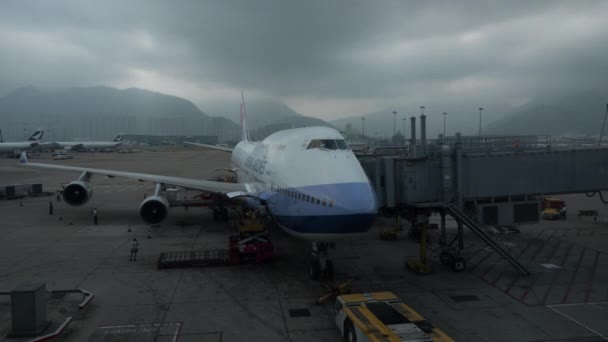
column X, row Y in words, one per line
column 324, row 211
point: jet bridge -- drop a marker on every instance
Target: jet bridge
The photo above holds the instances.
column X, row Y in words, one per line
column 483, row 181
column 507, row 182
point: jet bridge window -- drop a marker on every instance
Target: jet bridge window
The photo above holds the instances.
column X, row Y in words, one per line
column 327, row 144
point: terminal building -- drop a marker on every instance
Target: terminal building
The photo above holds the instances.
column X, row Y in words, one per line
column 137, row 139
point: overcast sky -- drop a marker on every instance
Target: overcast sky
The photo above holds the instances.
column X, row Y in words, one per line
column 324, row 58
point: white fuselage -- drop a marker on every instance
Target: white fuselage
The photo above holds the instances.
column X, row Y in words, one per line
column 12, row 146
column 68, row 145
column 314, row 193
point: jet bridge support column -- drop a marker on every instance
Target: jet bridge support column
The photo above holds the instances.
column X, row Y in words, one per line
column 442, row 238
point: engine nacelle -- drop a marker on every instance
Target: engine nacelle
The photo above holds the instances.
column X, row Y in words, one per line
column 77, row 193
column 154, row 209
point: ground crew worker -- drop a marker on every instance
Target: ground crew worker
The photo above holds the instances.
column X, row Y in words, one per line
column 134, row 249
column 50, row 207
column 95, row 216
column 562, row 212
column 58, row 196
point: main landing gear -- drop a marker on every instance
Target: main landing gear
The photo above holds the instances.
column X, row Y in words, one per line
column 321, row 268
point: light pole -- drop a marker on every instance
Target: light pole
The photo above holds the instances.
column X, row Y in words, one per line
column 394, row 124
column 404, row 119
column 422, row 109
column 363, row 127
column 480, row 109
column 444, row 115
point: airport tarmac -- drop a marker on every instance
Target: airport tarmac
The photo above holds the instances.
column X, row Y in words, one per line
column 565, row 298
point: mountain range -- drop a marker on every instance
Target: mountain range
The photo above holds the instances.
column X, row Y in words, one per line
column 574, row 114
column 92, row 113
column 100, row 113
column 265, row 116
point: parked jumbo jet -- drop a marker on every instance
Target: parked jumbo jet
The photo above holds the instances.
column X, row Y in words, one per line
column 308, row 179
column 88, row 145
column 32, row 141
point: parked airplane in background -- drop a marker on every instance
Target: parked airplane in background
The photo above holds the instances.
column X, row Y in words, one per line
column 32, row 141
column 308, row 179
column 87, row 145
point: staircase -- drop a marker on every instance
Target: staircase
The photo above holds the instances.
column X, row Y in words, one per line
column 467, row 221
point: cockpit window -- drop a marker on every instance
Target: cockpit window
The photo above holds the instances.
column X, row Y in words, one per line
column 342, row 145
column 328, row 144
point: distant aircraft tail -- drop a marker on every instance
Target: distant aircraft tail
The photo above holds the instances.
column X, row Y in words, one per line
column 23, row 158
column 244, row 131
column 118, row 138
column 37, row 136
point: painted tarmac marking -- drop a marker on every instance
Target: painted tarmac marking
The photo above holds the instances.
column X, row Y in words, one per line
column 592, row 276
column 553, row 307
column 573, row 277
column 482, row 260
column 516, row 278
column 543, row 246
column 557, row 245
column 141, row 328
column 474, row 253
column 556, row 275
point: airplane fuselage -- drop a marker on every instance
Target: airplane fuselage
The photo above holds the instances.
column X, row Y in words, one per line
column 12, row 146
column 312, row 182
column 87, row 144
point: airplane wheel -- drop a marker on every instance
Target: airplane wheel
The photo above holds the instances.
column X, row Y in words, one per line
column 315, row 269
column 328, row 273
column 349, row 332
column 459, row 265
column 445, row 258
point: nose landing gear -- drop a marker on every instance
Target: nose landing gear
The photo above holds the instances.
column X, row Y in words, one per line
column 321, row 267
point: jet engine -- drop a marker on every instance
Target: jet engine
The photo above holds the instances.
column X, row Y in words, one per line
column 77, row 193
column 154, row 209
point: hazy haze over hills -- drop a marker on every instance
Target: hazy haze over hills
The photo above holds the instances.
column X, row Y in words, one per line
column 264, row 116
column 94, row 113
column 572, row 114
column 575, row 114
column 97, row 113
column 260, row 112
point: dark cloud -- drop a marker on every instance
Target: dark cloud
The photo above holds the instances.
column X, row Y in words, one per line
column 327, row 58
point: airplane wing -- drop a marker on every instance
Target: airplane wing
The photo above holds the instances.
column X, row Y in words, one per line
column 190, row 183
column 213, row 147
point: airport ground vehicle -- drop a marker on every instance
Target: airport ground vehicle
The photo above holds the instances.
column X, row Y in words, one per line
column 551, row 207
column 251, row 243
column 382, row 316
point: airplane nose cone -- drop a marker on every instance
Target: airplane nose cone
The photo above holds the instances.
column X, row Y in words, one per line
column 362, row 200
column 362, row 207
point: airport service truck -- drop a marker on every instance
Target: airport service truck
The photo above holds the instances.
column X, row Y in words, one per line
column 382, row 316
